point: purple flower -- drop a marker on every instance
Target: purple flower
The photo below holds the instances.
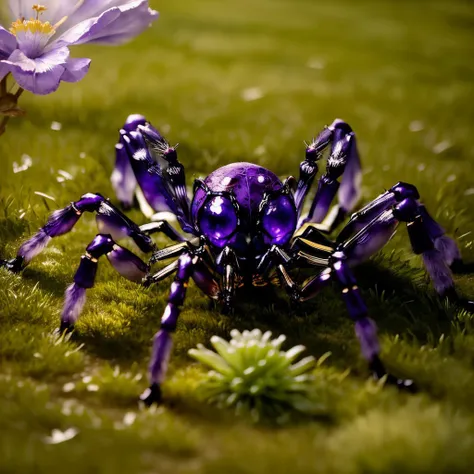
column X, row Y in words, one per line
column 35, row 49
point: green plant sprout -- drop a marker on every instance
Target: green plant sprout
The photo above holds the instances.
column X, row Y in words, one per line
column 253, row 374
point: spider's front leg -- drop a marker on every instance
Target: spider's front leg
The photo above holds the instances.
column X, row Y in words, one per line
column 343, row 161
column 147, row 168
column 110, row 220
column 338, row 270
column 162, row 342
column 365, row 327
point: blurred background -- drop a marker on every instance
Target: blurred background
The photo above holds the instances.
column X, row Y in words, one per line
column 247, row 80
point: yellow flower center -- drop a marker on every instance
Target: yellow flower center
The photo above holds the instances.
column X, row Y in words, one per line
column 33, row 25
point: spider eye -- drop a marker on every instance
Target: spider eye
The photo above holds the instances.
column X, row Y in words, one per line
column 278, row 218
column 218, row 219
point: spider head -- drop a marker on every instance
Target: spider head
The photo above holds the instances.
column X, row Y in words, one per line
column 244, row 207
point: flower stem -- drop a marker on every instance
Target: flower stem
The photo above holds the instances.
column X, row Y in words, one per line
column 3, row 86
column 3, row 94
column 3, row 124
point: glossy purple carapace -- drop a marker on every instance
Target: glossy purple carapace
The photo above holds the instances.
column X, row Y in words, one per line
column 244, row 207
column 243, row 226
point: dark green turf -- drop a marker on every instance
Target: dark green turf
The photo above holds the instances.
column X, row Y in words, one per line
column 385, row 67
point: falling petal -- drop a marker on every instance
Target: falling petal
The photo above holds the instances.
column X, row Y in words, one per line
column 69, row 387
column 129, row 418
column 442, row 146
column 251, row 94
column 58, row 436
column 416, row 126
column 47, row 196
column 26, row 162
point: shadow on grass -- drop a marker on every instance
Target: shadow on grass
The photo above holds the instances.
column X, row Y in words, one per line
column 322, row 324
column 51, row 283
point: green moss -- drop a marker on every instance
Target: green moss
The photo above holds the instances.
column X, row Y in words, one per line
column 382, row 66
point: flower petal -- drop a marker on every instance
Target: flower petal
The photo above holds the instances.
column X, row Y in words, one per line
column 116, row 25
column 87, row 9
column 7, row 43
column 16, row 8
column 41, row 75
column 135, row 18
column 78, row 33
column 76, row 69
column 4, row 69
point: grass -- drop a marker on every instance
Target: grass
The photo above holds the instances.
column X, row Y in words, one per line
column 401, row 74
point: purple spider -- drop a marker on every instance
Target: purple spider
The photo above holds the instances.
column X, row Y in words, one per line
column 245, row 227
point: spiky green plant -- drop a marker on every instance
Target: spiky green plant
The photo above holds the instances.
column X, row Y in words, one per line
column 253, row 374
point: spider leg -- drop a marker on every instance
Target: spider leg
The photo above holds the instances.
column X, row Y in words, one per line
column 123, row 178
column 110, row 220
column 343, row 161
column 426, row 237
column 164, row 227
column 396, row 194
column 125, row 262
column 132, row 177
column 337, row 269
column 365, row 327
column 201, row 275
column 161, row 274
column 162, row 342
column 205, row 280
column 173, row 251
column 147, row 144
column 59, row 222
column 314, row 285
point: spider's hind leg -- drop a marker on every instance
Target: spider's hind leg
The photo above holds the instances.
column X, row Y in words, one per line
column 400, row 204
column 395, row 195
